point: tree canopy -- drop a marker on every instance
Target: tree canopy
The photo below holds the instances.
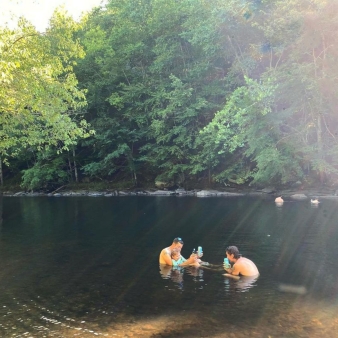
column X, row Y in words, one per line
column 40, row 101
column 229, row 91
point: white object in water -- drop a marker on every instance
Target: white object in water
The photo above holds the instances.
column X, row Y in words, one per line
column 298, row 289
column 279, row 200
column 315, row 201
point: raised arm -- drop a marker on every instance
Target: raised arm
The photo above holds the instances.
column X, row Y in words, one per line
column 191, row 260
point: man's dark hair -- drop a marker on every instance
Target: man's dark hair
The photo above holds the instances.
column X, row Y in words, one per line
column 233, row 250
column 178, row 240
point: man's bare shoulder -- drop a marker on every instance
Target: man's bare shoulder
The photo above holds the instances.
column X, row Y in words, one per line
column 246, row 267
column 165, row 252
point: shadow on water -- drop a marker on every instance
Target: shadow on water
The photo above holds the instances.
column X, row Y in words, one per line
column 88, row 267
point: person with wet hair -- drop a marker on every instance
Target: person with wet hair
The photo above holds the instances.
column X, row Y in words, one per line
column 241, row 266
column 177, row 244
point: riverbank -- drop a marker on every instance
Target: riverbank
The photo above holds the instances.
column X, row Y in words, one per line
column 297, row 194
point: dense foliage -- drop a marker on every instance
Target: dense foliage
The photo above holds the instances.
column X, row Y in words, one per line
column 237, row 91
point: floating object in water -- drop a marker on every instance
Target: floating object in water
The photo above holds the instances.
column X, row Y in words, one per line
column 298, row 289
column 315, row 201
column 279, row 200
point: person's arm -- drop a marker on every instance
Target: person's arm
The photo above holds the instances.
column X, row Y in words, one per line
column 191, row 260
column 232, row 276
column 235, row 270
column 166, row 257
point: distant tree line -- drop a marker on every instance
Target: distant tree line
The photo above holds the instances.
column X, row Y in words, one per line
column 235, row 92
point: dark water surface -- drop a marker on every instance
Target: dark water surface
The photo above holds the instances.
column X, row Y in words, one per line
column 88, row 267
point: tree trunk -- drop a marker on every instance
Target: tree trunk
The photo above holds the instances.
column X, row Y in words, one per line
column 75, row 168
column 70, row 168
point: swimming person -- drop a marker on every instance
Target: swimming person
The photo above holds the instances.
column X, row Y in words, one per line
column 242, row 266
column 165, row 255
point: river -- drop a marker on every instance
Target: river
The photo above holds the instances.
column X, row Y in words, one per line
column 88, row 267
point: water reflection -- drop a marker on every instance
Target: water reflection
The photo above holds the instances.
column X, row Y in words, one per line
column 68, row 268
column 236, row 283
column 174, row 273
column 239, row 284
column 245, row 283
column 196, row 272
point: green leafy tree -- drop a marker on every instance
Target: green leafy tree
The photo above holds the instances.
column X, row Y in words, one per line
column 39, row 98
column 248, row 125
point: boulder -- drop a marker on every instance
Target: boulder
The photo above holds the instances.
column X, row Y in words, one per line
column 205, row 193
column 20, row 193
column 180, row 191
column 162, row 193
column 95, row 194
column 268, row 190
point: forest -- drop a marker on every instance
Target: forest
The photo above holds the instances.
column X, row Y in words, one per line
column 211, row 92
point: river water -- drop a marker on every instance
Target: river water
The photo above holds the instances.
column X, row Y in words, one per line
column 88, row 267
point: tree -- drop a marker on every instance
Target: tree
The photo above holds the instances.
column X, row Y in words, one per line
column 40, row 103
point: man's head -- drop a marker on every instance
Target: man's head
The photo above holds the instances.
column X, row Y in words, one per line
column 178, row 243
column 232, row 253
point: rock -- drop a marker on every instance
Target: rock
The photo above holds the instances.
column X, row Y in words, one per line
column 224, row 193
column 34, row 194
column 205, row 193
column 95, row 194
column 142, row 192
column 298, row 197
column 180, row 191
column 268, row 190
column 20, row 193
column 162, row 192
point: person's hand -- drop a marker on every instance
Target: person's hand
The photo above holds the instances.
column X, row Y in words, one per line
column 192, row 259
column 225, row 268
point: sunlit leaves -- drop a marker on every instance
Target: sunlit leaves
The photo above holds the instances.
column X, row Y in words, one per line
column 39, row 98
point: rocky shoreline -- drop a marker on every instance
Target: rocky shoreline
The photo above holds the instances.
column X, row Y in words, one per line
column 287, row 194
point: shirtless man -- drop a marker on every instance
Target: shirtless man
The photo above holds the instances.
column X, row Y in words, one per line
column 242, row 266
column 165, row 255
